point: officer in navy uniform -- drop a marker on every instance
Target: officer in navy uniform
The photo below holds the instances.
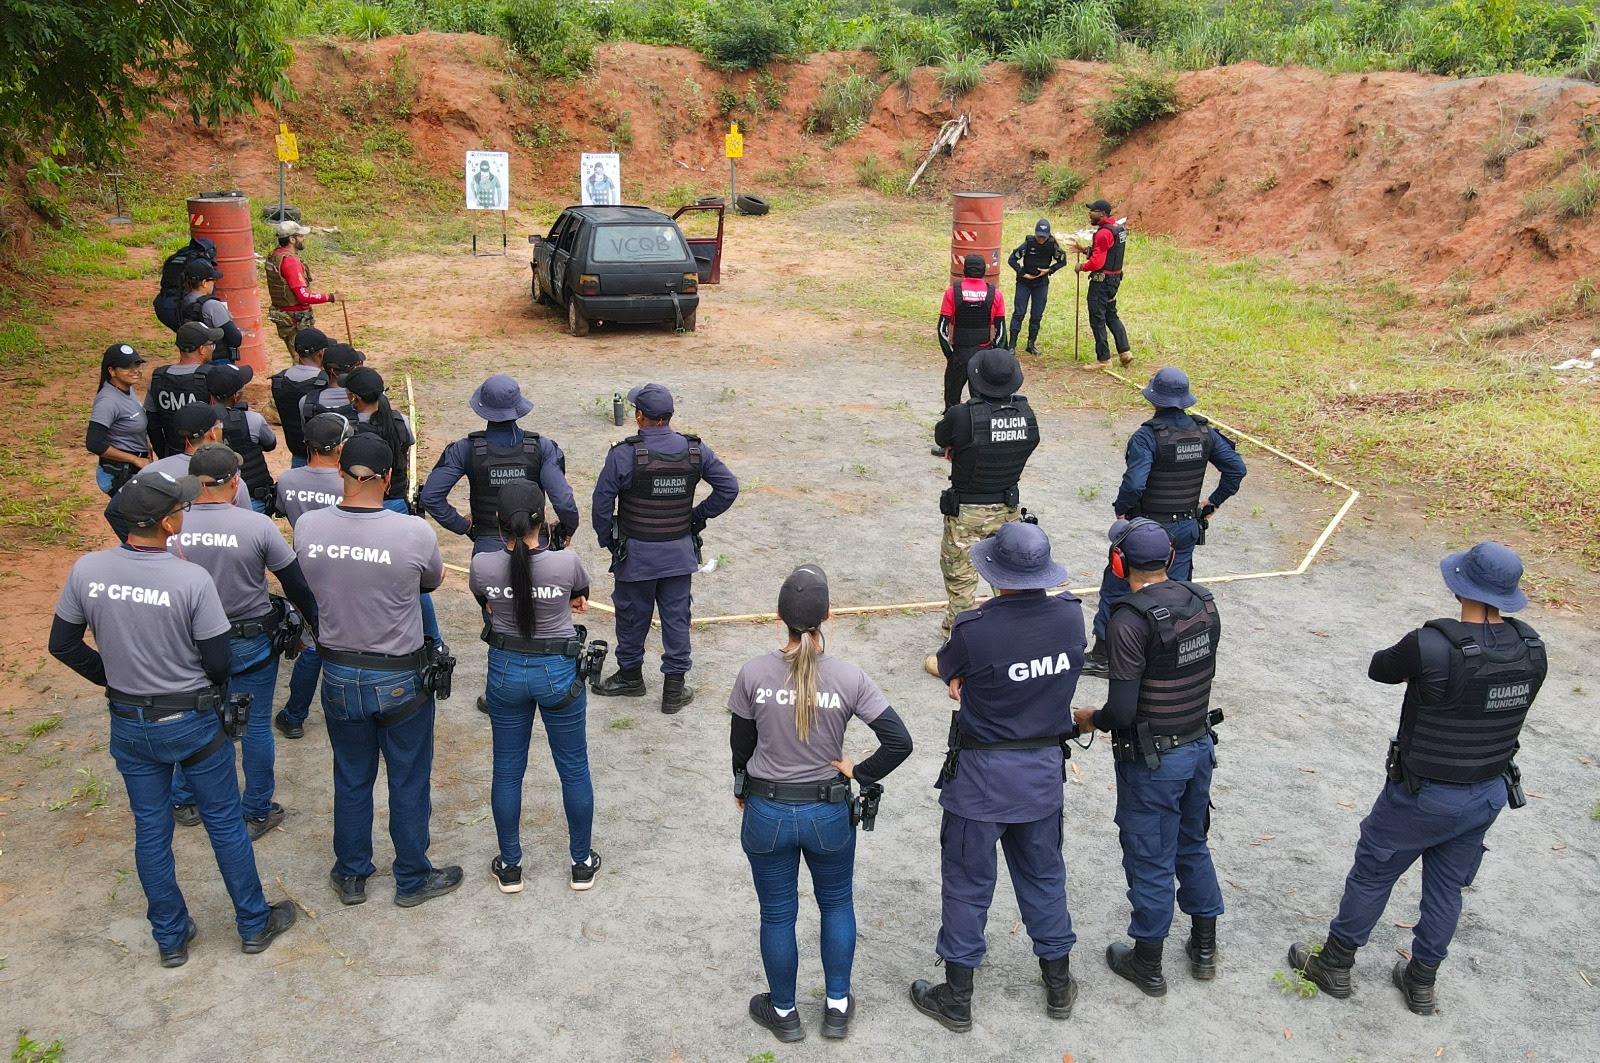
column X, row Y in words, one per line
column 245, row 431
column 1167, row 458
column 502, row 452
column 1469, row 685
column 644, row 513
column 1162, row 644
column 162, row 653
column 988, row 440
column 1013, row 664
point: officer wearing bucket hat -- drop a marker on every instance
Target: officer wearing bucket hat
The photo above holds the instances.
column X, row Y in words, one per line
column 1469, row 685
column 498, row 454
column 162, row 654
column 1166, row 470
column 1013, row 664
column 644, row 512
column 988, row 440
column 288, row 281
column 1162, row 644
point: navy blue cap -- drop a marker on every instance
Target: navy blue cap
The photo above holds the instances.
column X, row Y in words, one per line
column 1489, row 573
column 1043, row 228
column 652, row 400
column 1143, row 542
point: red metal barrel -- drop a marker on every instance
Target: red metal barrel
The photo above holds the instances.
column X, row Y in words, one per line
column 975, row 227
column 224, row 219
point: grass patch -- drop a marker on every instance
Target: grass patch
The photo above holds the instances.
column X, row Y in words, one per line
column 1061, row 182
column 1578, row 196
column 1139, row 95
column 843, row 106
column 960, row 74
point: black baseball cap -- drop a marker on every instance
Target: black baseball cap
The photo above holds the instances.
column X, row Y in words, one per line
column 225, row 379
column 192, row 335
column 342, row 356
column 521, row 496
column 120, row 356
column 326, row 431
column 195, row 420
column 152, row 494
column 803, row 598
column 214, row 464
column 366, row 454
column 365, row 383
column 310, row 340
column 202, row 267
column 1101, row 205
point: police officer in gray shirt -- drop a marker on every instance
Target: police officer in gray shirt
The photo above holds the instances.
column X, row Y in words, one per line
column 368, row 567
column 238, row 547
column 162, row 653
column 196, row 424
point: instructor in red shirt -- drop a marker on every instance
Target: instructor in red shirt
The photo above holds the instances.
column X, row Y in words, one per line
column 972, row 317
column 287, row 280
column 1104, row 267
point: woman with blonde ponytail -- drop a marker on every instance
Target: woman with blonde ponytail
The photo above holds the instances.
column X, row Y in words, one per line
column 792, row 782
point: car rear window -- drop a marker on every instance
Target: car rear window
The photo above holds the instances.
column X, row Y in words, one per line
column 639, row 243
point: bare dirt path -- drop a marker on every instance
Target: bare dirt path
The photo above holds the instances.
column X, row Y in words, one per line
column 826, row 424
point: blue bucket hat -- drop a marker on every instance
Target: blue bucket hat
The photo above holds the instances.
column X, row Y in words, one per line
column 499, row 399
column 1169, row 388
column 1488, row 573
column 1017, row 558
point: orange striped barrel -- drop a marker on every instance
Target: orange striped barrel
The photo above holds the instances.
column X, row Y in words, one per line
column 975, row 228
column 224, row 219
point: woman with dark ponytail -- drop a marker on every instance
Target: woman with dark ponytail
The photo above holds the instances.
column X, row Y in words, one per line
column 790, row 709
column 530, row 593
column 117, row 422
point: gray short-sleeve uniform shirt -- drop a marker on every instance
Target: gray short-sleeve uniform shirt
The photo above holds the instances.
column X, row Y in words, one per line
column 762, row 693
column 237, row 546
column 122, row 415
column 556, row 574
column 307, row 488
column 147, row 609
column 367, row 568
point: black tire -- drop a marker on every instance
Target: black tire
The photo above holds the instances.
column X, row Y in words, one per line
column 754, row 206
column 688, row 319
column 707, row 201
column 576, row 322
column 271, row 213
column 540, row 296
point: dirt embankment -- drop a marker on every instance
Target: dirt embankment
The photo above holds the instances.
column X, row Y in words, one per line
column 1450, row 186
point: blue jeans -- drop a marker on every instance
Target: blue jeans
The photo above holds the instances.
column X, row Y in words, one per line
column 146, row 754
column 297, row 462
column 519, row 683
column 1443, row 825
column 258, row 505
column 303, row 685
column 1162, row 820
column 354, row 701
column 1185, row 534
column 430, row 619
column 773, row 835
column 256, row 751
column 102, row 478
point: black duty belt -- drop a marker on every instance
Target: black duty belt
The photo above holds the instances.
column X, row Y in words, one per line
column 1167, row 518
column 567, row 647
column 162, row 706
column 994, row 498
column 963, row 740
column 249, row 629
column 1135, row 744
column 375, row 662
column 832, row 791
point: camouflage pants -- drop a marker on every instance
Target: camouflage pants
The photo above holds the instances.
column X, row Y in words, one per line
column 290, row 322
column 960, row 532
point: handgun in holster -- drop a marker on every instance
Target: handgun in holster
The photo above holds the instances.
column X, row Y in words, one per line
column 1205, row 526
column 952, row 751
column 864, row 808
column 696, row 526
column 1513, row 777
column 740, row 783
column 619, row 549
column 233, row 713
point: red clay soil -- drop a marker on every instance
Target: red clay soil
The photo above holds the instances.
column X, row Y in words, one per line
column 1402, row 174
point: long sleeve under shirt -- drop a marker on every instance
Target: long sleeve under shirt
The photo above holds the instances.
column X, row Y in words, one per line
column 455, row 464
column 1423, row 656
column 1128, row 639
column 1141, row 454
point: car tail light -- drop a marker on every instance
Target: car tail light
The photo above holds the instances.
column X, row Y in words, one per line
column 691, row 283
column 589, row 284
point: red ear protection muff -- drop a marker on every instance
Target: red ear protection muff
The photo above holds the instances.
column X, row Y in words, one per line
column 1118, row 561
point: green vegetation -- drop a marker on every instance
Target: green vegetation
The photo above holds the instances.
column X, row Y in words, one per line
column 960, row 74
column 31, row 1051
column 1578, row 196
column 1061, row 183
column 1296, row 983
column 843, row 106
column 1139, row 95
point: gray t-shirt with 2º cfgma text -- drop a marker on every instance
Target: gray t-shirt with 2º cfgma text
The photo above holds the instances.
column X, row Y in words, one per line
column 762, row 693
column 307, row 488
column 556, row 574
column 367, row 569
column 237, row 546
column 146, row 609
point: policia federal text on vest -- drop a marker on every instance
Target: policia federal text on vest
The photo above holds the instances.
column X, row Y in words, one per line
column 1470, row 735
column 1178, row 472
column 1175, row 687
column 1005, row 434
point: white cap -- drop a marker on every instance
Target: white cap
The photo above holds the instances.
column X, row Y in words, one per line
column 286, row 229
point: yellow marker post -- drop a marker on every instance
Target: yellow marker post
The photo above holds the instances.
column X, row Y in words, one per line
column 288, row 151
column 733, row 148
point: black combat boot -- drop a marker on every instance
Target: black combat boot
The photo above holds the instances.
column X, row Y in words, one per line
column 1415, row 982
column 1202, row 947
column 1095, row 663
column 950, row 1001
column 1140, row 964
column 1329, row 968
column 1032, row 347
column 624, row 682
column 675, row 693
column 1060, row 988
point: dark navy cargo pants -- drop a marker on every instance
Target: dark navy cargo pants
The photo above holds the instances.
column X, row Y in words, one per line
column 635, row 601
column 1443, row 824
column 1162, row 820
column 1038, row 875
column 1030, row 300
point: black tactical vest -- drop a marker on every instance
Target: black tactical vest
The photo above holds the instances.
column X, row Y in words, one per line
column 659, row 506
column 252, row 462
column 286, row 396
column 492, row 468
column 171, row 394
column 172, row 268
column 400, row 471
column 192, row 311
column 1119, row 244
column 973, row 323
column 1179, row 470
column 1471, row 735
column 1004, row 434
column 1180, row 659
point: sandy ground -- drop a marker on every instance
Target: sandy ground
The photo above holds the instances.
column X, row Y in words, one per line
column 658, row 961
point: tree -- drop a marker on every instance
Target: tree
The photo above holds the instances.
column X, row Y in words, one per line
column 77, row 76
